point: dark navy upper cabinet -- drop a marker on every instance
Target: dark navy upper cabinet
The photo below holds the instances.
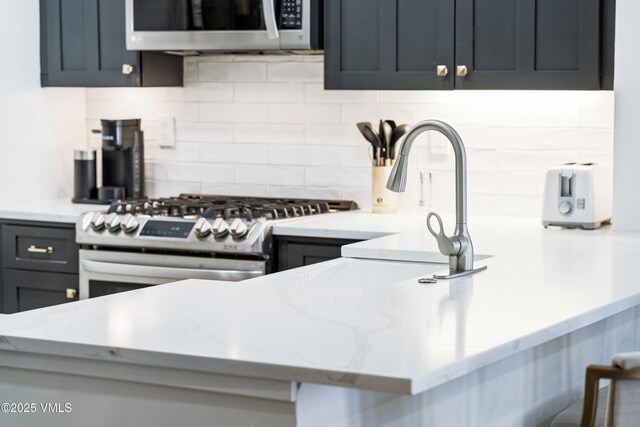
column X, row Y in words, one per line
column 469, row 44
column 82, row 43
column 388, row 44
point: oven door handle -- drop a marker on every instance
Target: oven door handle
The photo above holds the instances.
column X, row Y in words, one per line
column 167, row 272
column 269, row 13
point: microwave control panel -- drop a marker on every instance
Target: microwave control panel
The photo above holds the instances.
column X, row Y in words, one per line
column 291, row 15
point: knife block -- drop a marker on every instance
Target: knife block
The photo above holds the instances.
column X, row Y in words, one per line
column 384, row 200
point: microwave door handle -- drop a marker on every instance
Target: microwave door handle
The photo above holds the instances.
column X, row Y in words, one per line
column 166, row 272
column 269, row 12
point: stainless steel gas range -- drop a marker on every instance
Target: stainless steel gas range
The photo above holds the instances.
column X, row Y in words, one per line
column 138, row 243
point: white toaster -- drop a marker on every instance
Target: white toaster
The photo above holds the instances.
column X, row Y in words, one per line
column 578, row 195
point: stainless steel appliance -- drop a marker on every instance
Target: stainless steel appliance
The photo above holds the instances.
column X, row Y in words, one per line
column 224, row 25
column 138, row 243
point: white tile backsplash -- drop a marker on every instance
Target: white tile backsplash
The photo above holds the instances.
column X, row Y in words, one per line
column 264, row 125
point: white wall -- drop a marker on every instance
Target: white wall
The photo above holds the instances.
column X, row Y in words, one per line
column 38, row 128
column 626, row 205
column 264, row 125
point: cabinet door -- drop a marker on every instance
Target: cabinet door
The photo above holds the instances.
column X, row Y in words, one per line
column 83, row 44
column 294, row 252
column 528, row 44
column 388, row 44
column 28, row 290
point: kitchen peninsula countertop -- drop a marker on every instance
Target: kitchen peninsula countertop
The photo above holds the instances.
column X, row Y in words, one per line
column 56, row 210
column 362, row 323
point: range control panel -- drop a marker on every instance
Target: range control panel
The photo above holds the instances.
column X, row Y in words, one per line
column 291, row 15
column 167, row 229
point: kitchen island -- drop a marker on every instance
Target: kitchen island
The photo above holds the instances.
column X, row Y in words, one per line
column 354, row 341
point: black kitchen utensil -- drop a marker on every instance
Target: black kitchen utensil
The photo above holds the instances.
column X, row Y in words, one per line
column 386, row 135
column 370, row 135
column 398, row 133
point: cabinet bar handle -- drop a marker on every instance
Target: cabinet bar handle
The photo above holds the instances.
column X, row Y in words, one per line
column 462, row 71
column 71, row 293
column 442, row 71
column 36, row 250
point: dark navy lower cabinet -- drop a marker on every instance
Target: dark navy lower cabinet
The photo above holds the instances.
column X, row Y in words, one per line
column 469, row 44
column 294, row 252
column 38, row 265
column 82, row 43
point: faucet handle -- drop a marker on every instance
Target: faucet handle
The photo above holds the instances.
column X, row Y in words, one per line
column 448, row 245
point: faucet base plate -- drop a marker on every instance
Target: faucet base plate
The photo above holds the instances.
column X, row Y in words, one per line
column 455, row 274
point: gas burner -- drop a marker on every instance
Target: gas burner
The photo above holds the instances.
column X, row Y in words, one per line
column 193, row 206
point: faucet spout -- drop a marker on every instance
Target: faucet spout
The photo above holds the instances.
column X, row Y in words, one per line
column 458, row 247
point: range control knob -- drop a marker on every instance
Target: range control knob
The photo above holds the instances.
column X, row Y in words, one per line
column 238, row 229
column 129, row 223
column 97, row 221
column 113, row 222
column 220, row 227
column 565, row 207
column 202, row 228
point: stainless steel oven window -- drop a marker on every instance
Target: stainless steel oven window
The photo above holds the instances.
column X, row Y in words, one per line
column 152, row 269
column 220, row 40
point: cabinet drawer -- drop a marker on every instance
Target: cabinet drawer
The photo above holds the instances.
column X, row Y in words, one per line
column 39, row 248
column 28, row 290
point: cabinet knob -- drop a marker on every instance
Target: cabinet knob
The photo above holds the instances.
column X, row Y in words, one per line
column 442, row 71
column 71, row 293
column 461, row 71
column 127, row 69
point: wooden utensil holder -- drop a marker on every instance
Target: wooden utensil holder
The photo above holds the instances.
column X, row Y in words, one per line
column 384, row 200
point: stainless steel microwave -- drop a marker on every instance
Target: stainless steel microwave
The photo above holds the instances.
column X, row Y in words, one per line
column 224, row 25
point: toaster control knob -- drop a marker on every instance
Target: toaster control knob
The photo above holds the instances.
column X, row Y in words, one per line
column 97, row 221
column 565, row 207
column 129, row 223
column 220, row 227
column 238, row 228
column 202, row 228
column 113, row 222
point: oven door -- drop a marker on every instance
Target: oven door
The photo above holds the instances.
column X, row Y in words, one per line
column 218, row 25
column 106, row 272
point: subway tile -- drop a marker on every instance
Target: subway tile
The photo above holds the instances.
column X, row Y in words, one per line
column 352, row 114
column 182, row 152
column 519, row 205
column 269, row 92
column 531, row 115
column 156, row 109
column 357, row 156
column 315, row 93
column 134, row 94
column 191, row 172
column 232, row 153
column 295, row 72
column 304, row 113
column 171, row 188
column 600, row 116
column 94, row 94
column 318, row 134
column 338, row 177
column 201, row 92
column 532, row 161
column 304, row 155
column 204, row 132
column 250, row 190
column 269, row 133
column 190, row 71
column 304, row 192
column 459, row 115
column 233, row 112
column 266, row 174
column 232, row 72
column 270, row 57
column 596, row 157
column 103, row 109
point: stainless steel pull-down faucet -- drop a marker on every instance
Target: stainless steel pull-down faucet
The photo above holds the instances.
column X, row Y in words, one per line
column 458, row 247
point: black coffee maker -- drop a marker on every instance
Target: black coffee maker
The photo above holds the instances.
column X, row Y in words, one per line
column 122, row 160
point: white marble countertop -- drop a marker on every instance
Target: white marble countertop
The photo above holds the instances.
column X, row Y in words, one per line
column 57, row 210
column 357, row 322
